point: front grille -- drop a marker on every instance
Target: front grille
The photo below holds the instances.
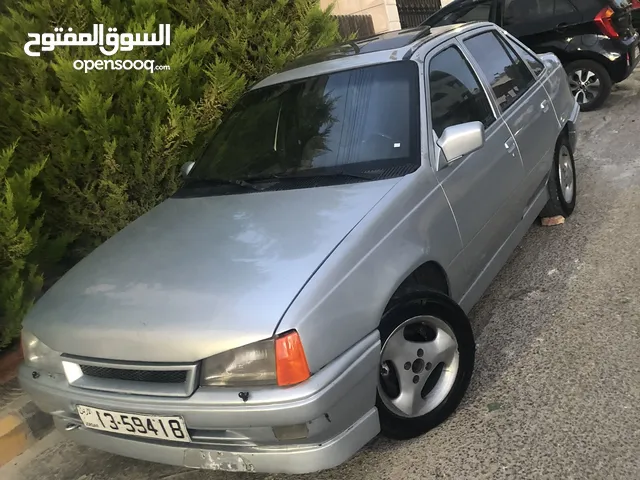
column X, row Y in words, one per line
column 148, row 376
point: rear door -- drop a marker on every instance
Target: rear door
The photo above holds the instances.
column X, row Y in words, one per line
column 523, row 102
column 480, row 186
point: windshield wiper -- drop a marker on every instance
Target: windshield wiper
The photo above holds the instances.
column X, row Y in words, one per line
column 316, row 174
column 223, row 181
column 344, row 173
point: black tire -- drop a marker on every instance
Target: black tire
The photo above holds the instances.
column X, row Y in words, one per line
column 418, row 303
column 602, row 75
column 557, row 204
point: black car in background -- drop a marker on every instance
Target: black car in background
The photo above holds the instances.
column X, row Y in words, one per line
column 635, row 14
column 594, row 39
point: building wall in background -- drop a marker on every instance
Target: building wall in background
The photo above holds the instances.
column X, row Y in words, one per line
column 384, row 13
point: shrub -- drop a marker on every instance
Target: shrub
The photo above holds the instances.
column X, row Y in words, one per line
column 19, row 232
column 115, row 139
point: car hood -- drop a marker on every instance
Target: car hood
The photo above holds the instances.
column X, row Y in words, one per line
column 197, row 276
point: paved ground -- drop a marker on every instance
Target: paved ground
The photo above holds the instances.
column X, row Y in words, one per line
column 556, row 392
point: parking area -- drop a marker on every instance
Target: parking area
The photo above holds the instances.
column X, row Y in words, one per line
column 557, row 383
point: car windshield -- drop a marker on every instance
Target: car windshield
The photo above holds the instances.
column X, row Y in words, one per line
column 365, row 118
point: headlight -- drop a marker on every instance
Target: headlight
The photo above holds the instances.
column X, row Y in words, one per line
column 39, row 356
column 253, row 364
column 280, row 361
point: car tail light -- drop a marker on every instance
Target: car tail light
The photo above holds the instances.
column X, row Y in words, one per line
column 291, row 362
column 604, row 21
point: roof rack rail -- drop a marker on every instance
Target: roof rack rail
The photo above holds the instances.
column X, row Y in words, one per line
column 426, row 31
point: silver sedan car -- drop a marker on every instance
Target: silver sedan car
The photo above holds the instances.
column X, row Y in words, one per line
column 307, row 287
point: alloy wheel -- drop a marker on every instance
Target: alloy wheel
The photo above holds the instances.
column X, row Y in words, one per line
column 565, row 174
column 585, row 86
column 419, row 365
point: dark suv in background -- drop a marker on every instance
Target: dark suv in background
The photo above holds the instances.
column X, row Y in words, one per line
column 594, row 39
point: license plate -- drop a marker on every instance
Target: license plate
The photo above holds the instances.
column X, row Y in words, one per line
column 148, row 426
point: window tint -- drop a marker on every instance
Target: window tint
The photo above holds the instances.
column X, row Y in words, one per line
column 563, row 6
column 365, row 115
column 518, row 11
column 522, row 11
column 478, row 12
column 534, row 64
column 508, row 75
column 456, row 94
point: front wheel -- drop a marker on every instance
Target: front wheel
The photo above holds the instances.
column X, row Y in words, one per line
column 590, row 83
column 427, row 358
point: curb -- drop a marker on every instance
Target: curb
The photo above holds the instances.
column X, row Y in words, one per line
column 22, row 424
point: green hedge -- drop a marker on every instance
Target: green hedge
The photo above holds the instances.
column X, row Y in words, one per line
column 84, row 154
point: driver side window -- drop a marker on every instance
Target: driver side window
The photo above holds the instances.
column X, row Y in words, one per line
column 456, row 93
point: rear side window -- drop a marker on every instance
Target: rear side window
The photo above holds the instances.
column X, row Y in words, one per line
column 508, row 75
column 456, row 93
column 523, row 11
column 563, row 6
column 534, row 64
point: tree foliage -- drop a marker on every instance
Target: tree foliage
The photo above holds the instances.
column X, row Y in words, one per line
column 114, row 140
column 19, row 234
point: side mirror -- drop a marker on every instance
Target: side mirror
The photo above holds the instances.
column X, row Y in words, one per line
column 459, row 140
column 186, row 168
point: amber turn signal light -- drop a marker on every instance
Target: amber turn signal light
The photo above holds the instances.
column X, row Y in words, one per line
column 291, row 362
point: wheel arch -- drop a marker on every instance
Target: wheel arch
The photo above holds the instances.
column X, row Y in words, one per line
column 429, row 274
column 576, row 55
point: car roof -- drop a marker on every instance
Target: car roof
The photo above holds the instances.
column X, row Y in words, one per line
column 381, row 48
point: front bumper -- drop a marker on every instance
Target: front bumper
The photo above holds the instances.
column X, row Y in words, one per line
column 337, row 404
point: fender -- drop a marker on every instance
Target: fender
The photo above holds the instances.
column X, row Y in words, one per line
column 413, row 224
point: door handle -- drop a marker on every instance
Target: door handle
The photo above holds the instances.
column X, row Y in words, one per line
column 510, row 145
column 545, row 106
column 561, row 26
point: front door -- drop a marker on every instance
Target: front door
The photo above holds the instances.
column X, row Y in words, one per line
column 479, row 186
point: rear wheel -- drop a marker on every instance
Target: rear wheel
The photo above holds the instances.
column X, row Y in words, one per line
column 562, row 182
column 427, row 358
column 590, row 83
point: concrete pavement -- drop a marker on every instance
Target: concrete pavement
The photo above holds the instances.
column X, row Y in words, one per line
column 556, row 393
